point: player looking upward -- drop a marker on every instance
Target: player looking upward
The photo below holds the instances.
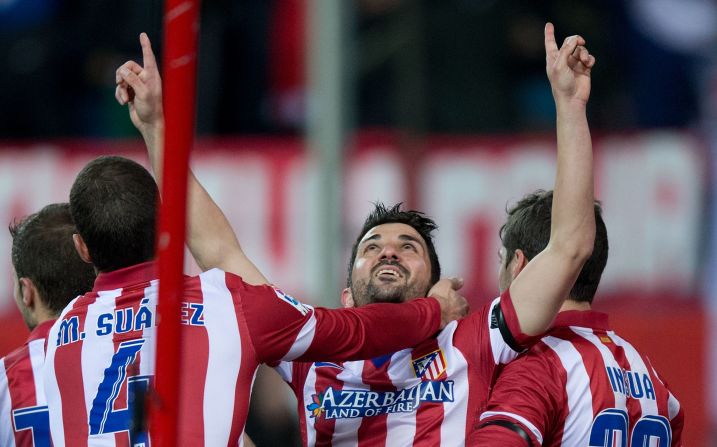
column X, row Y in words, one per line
column 434, row 393
column 102, row 346
column 47, row 275
column 582, row 383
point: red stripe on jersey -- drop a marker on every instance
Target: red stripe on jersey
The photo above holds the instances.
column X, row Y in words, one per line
column 194, row 361
column 68, row 370
column 472, row 340
column 21, row 385
column 662, row 395
column 634, row 408
column 429, row 415
column 557, row 435
column 299, row 372
column 323, row 427
column 373, row 430
column 249, row 362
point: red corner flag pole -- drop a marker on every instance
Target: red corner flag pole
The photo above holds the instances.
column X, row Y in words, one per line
column 181, row 25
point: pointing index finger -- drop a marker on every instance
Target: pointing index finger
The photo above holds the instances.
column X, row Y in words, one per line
column 551, row 46
column 149, row 61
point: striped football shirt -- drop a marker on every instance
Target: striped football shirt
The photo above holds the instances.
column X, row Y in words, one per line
column 23, row 409
column 102, row 349
column 582, row 384
column 426, row 396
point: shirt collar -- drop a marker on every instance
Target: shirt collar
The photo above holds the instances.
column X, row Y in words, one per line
column 147, row 271
column 40, row 331
column 582, row 318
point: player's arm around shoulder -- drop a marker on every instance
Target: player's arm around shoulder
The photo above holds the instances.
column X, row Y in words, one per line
column 544, row 283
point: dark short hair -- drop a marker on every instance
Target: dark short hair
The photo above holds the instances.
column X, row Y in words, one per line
column 113, row 203
column 43, row 251
column 528, row 229
column 423, row 225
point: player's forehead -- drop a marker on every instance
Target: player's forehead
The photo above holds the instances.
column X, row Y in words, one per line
column 393, row 231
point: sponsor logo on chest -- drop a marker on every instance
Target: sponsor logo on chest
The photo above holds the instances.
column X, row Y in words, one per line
column 333, row 403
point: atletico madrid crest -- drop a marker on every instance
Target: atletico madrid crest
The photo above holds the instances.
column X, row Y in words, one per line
column 431, row 366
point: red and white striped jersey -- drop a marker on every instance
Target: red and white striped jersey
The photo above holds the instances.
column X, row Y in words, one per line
column 429, row 395
column 23, row 408
column 584, row 385
column 102, row 348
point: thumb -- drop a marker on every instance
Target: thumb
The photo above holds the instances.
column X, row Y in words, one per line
column 456, row 282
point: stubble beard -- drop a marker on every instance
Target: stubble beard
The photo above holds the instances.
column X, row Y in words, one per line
column 371, row 291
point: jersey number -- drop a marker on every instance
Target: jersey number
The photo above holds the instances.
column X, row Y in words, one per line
column 36, row 419
column 103, row 417
column 610, row 428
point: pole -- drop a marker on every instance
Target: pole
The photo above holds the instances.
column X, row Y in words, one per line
column 326, row 131
column 181, row 26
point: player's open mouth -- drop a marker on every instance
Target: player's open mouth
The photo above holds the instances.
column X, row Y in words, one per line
column 389, row 272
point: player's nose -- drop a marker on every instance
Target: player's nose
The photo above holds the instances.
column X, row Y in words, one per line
column 389, row 251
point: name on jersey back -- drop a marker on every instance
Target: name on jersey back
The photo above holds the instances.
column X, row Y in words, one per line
column 125, row 320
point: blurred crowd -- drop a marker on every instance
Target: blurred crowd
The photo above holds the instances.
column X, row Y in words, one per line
column 424, row 66
column 460, row 66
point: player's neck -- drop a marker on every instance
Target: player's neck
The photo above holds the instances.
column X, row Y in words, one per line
column 575, row 305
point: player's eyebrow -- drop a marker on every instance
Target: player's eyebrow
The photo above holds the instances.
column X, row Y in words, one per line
column 372, row 238
column 408, row 237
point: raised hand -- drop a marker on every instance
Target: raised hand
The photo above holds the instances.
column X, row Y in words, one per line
column 140, row 87
column 568, row 67
column 453, row 305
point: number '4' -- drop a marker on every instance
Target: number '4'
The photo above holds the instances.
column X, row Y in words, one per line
column 103, row 417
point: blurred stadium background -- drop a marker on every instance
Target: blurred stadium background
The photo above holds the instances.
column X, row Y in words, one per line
column 309, row 110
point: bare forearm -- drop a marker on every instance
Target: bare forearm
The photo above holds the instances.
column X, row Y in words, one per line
column 212, row 240
column 210, row 236
column 573, row 217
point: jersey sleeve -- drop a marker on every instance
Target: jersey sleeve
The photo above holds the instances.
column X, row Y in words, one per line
column 528, row 395
column 494, row 332
column 283, row 328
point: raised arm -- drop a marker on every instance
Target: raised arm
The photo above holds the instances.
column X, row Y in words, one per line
column 542, row 286
column 210, row 237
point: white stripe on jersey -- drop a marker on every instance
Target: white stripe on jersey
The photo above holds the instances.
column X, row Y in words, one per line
column 607, row 358
column 346, row 429
column 502, row 353
column 577, row 389
column 401, row 426
column 453, row 428
column 149, row 348
column 52, row 390
column 224, row 358
column 308, row 391
column 304, row 339
column 648, row 406
column 97, row 353
column 285, row 370
column 7, row 437
column 673, row 407
column 533, row 429
column 36, row 349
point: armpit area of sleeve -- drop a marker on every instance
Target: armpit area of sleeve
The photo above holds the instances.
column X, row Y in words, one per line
column 513, row 324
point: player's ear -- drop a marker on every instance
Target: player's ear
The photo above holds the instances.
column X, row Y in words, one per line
column 518, row 263
column 347, row 298
column 81, row 248
column 28, row 293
